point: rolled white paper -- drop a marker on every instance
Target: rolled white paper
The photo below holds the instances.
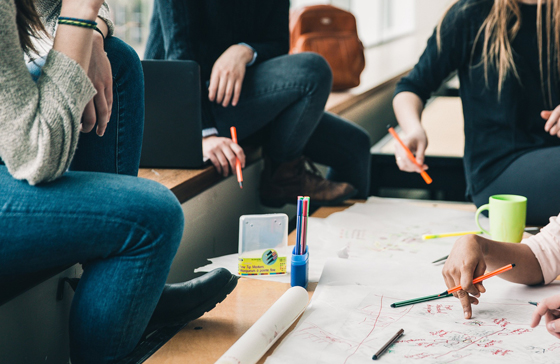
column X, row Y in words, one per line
column 263, row 334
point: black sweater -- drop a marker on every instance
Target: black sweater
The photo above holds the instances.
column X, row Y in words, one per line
column 497, row 130
column 201, row 30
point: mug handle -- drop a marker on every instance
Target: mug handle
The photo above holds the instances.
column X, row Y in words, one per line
column 480, row 209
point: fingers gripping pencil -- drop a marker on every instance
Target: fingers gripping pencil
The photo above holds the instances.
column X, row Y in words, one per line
column 410, row 156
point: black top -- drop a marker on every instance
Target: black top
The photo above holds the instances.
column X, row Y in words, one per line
column 497, row 130
column 204, row 29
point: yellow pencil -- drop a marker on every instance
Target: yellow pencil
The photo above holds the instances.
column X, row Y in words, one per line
column 446, row 235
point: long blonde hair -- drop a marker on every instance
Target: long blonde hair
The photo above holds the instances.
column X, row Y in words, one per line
column 500, row 28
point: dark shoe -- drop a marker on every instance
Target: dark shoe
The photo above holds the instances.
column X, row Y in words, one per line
column 300, row 177
column 181, row 303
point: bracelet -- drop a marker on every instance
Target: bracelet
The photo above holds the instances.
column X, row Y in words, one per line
column 90, row 24
column 100, row 32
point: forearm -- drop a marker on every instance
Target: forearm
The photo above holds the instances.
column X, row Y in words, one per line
column 76, row 42
column 497, row 254
column 49, row 11
column 408, row 109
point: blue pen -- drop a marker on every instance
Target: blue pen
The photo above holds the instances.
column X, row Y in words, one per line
column 300, row 253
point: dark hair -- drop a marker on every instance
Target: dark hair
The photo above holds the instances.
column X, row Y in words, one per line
column 29, row 25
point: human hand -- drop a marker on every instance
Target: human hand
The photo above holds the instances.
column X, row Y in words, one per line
column 465, row 262
column 549, row 309
column 100, row 74
column 223, row 153
column 417, row 142
column 552, row 125
column 227, row 75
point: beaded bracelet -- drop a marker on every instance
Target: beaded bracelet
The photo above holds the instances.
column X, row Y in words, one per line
column 77, row 22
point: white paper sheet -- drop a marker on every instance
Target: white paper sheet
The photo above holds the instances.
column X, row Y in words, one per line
column 350, row 318
column 263, row 334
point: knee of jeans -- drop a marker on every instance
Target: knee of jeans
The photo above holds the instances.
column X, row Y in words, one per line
column 123, row 58
column 316, row 69
column 362, row 138
column 160, row 213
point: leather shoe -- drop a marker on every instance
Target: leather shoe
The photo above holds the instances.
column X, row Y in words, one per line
column 181, row 303
column 300, row 177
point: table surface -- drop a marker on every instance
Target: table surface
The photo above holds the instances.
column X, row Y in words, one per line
column 443, row 121
column 205, row 340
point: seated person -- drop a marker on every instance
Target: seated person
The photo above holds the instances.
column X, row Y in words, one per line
column 537, row 261
column 509, row 94
column 123, row 229
column 249, row 81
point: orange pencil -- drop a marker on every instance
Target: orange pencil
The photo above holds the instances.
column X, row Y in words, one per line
column 481, row 278
column 410, row 156
column 238, row 163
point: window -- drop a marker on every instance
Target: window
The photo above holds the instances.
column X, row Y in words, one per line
column 378, row 21
column 132, row 21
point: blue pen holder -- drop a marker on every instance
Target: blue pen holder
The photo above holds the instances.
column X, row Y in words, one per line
column 300, row 268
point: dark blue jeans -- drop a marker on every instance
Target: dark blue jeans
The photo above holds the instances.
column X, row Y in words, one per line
column 283, row 99
column 118, row 151
column 123, row 229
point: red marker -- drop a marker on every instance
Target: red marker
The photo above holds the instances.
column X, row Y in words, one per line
column 238, row 163
column 410, row 156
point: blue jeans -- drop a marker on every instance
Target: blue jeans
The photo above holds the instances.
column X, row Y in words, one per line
column 123, row 229
column 283, row 99
column 118, row 151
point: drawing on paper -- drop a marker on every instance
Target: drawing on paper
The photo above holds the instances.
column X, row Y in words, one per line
column 335, row 331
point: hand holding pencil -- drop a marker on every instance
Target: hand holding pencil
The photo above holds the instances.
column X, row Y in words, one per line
column 548, row 308
column 415, row 143
column 465, row 262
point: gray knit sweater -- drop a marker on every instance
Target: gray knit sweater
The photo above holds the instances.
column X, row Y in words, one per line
column 39, row 122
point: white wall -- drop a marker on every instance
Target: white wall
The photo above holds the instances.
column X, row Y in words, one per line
column 429, row 13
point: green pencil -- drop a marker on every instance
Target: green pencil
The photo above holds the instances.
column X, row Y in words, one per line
column 420, row 299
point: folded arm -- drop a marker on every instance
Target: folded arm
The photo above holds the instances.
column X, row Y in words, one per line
column 39, row 122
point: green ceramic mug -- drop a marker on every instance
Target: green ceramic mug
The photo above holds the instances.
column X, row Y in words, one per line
column 507, row 217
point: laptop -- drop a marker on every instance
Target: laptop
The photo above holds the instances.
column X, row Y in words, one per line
column 173, row 123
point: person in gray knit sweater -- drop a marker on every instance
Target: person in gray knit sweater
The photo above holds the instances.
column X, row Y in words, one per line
column 69, row 194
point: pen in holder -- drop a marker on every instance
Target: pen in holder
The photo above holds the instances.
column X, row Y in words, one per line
column 300, row 268
column 300, row 254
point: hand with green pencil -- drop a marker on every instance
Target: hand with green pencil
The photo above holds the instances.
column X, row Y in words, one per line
column 472, row 255
column 549, row 309
column 465, row 262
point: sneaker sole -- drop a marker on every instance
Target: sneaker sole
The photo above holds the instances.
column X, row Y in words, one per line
column 314, row 203
column 337, row 202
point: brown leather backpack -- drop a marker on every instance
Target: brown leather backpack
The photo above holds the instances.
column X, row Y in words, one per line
column 332, row 33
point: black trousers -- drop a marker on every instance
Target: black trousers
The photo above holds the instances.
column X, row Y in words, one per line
column 535, row 175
